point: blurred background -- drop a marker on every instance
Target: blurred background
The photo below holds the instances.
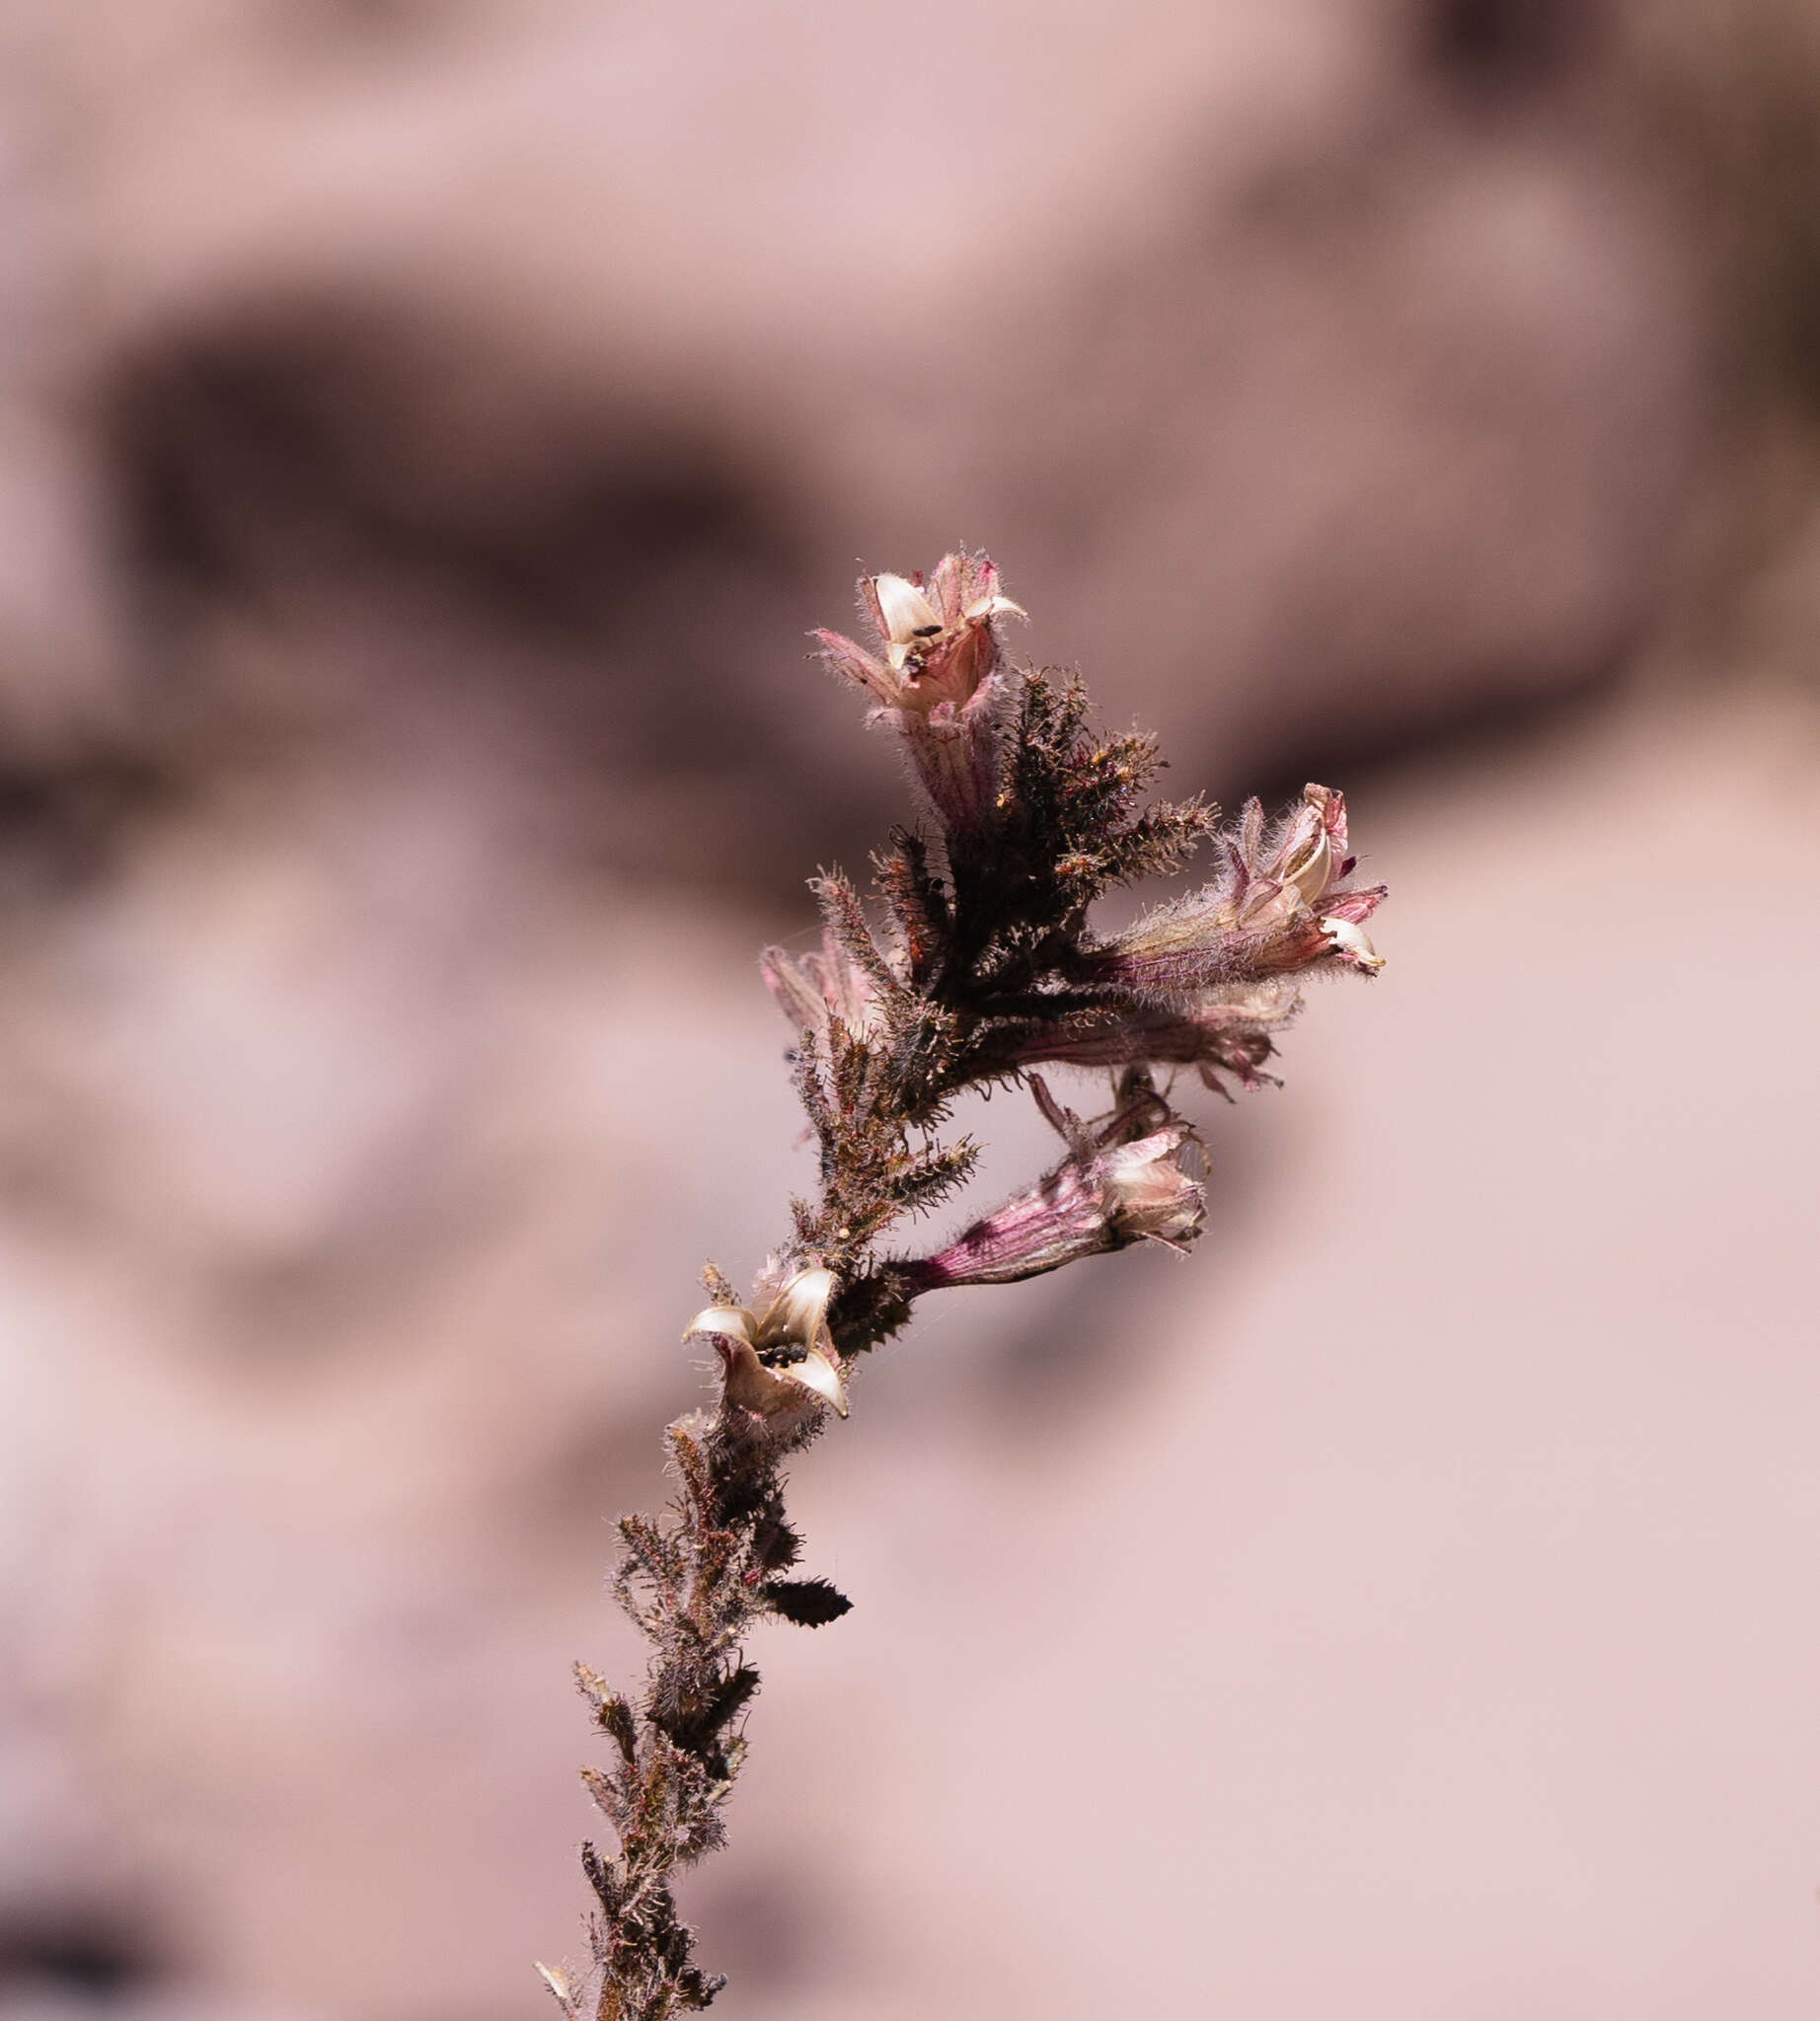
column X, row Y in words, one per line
column 427, row 430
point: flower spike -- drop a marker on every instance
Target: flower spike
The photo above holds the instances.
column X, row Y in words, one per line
column 973, row 963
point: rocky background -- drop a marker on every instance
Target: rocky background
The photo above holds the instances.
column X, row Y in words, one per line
column 427, row 429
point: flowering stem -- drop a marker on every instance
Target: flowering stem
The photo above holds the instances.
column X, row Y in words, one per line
column 987, row 969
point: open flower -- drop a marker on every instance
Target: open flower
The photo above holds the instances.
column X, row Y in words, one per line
column 1273, row 911
column 780, row 1367
column 1121, row 1182
column 936, row 672
column 936, row 639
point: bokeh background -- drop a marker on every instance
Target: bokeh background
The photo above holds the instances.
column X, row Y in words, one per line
column 427, row 430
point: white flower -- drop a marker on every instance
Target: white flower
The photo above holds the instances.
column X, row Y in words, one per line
column 1352, row 943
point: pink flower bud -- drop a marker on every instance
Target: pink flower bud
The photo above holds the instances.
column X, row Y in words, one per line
column 812, row 988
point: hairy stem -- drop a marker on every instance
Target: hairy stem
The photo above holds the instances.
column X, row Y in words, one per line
column 981, row 968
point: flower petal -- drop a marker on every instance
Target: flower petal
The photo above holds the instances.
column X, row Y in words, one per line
column 816, row 1373
column 1352, row 943
column 734, row 1321
column 858, row 665
column 907, row 613
column 799, row 1313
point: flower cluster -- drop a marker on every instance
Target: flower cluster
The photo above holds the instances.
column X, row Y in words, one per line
column 974, row 961
column 980, row 963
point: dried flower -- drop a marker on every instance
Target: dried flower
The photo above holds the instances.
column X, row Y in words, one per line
column 1120, row 1183
column 770, row 1363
